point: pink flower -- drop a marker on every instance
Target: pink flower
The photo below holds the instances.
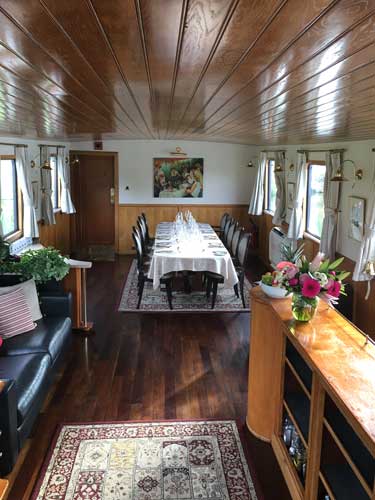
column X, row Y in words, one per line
column 293, row 282
column 310, row 288
column 303, row 278
column 291, row 271
column 284, row 263
column 334, row 289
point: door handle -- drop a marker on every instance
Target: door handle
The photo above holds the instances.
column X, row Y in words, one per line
column 112, row 196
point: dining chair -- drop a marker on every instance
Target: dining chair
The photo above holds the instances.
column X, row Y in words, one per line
column 228, row 223
column 220, row 228
column 147, row 247
column 235, row 242
column 148, row 238
column 142, row 272
column 230, row 234
column 214, row 279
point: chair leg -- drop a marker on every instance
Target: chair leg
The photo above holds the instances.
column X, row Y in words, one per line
column 168, row 286
column 214, row 294
column 236, row 290
column 242, row 279
column 140, row 292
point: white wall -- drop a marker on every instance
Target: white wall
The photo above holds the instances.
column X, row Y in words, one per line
column 33, row 154
column 227, row 179
column 361, row 153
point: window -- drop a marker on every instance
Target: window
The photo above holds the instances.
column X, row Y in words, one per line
column 270, row 187
column 55, row 195
column 11, row 202
column 314, row 200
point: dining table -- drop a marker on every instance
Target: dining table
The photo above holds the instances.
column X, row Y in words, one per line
column 198, row 251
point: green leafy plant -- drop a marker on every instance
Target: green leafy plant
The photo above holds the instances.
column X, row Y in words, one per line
column 42, row 265
column 291, row 255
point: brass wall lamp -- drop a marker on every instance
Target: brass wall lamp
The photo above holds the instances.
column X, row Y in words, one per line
column 339, row 175
column 45, row 166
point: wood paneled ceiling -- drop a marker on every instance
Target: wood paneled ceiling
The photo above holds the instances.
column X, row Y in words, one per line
column 247, row 71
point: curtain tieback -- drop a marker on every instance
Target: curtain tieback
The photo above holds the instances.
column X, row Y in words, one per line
column 330, row 211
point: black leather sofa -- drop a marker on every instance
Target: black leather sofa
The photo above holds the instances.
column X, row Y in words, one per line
column 28, row 365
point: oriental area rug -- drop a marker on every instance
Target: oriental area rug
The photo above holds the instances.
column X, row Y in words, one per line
column 196, row 301
column 146, row 461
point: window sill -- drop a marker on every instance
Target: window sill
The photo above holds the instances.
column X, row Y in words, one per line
column 268, row 212
column 14, row 237
column 309, row 236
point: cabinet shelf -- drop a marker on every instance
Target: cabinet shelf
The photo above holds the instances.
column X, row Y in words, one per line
column 299, row 367
column 298, row 407
column 341, row 481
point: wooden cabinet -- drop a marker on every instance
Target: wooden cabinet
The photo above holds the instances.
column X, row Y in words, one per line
column 312, row 395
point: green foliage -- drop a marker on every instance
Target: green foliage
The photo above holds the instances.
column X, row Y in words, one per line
column 291, row 255
column 267, row 279
column 42, row 265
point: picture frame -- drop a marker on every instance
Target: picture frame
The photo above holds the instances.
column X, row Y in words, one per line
column 178, row 177
column 290, row 188
column 357, row 217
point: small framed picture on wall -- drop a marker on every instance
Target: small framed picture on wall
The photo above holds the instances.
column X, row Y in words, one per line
column 357, row 217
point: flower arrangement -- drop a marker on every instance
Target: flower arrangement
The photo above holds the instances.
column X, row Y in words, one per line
column 309, row 281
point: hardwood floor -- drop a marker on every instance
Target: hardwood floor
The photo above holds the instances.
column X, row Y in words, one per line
column 150, row 366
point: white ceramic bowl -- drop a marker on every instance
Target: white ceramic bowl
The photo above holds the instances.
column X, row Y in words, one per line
column 274, row 291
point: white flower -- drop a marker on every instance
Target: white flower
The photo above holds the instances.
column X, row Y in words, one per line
column 321, row 277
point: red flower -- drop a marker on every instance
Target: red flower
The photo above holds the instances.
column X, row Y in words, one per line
column 293, row 282
column 334, row 289
column 280, row 266
column 310, row 288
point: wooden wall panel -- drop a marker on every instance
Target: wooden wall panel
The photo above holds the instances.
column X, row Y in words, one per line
column 57, row 235
column 157, row 213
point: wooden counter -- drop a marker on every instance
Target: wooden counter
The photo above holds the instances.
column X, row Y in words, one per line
column 321, row 376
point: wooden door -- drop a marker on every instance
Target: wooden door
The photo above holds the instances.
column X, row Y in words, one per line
column 94, row 187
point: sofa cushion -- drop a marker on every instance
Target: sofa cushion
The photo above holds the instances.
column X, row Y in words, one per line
column 31, row 296
column 49, row 336
column 29, row 372
column 15, row 314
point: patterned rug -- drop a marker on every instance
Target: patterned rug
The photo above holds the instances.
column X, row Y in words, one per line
column 146, row 461
column 196, row 301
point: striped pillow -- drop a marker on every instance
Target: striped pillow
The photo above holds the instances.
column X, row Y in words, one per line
column 15, row 314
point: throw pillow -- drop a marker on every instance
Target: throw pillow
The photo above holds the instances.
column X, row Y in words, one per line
column 31, row 295
column 15, row 314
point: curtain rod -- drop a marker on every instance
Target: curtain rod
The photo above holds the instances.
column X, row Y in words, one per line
column 320, row 150
column 273, row 151
column 51, row 145
column 13, row 144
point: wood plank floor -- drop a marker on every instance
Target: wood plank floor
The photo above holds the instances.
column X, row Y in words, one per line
column 149, row 367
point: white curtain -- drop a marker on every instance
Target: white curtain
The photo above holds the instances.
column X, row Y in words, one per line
column 30, row 223
column 280, row 210
column 296, row 224
column 331, row 201
column 48, row 215
column 257, row 196
column 365, row 262
column 63, row 170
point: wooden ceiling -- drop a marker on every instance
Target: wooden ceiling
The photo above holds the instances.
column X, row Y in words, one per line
column 248, row 71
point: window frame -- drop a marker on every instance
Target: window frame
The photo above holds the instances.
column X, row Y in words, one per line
column 18, row 233
column 57, row 187
column 271, row 163
column 307, row 233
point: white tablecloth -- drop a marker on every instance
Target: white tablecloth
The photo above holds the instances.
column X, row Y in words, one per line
column 170, row 255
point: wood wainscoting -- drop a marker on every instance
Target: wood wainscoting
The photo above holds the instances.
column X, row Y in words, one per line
column 156, row 213
column 56, row 235
column 363, row 311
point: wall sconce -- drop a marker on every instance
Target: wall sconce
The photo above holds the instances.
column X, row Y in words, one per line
column 45, row 166
column 291, row 167
column 339, row 175
column 73, row 162
column 250, row 164
column 278, row 168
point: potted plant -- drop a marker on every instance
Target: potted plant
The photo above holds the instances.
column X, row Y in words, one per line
column 46, row 266
column 308, row 282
